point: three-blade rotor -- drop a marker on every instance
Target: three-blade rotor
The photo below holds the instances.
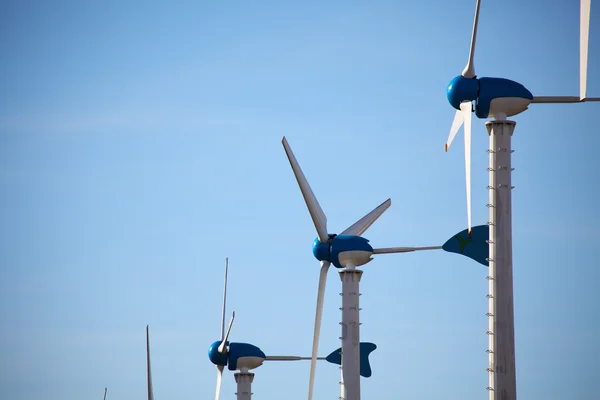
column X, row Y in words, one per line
column 224, row 334
column 320, row 222
column 464, row 115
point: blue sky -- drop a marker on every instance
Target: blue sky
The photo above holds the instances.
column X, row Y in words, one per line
column 141, row 145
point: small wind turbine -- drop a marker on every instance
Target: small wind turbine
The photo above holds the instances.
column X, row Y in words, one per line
column 499, row 98
column 345, row 251
column 244, row 357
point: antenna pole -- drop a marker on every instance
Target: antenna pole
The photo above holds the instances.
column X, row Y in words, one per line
column 244, row 384
column 501, row 323
column 350, row 333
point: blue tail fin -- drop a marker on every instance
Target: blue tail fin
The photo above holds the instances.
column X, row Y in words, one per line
column 366, row 348
column 474, row 247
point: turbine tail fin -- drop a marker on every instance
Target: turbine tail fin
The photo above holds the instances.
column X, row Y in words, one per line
column 366, row 348
column 475, row 247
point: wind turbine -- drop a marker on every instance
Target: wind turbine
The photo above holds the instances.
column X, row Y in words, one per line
column 345, row 251
column 244, row 357
column 500, row 98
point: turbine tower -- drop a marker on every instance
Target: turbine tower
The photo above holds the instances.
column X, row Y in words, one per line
column 499, row 98
column 345, row 251
column 243, row 357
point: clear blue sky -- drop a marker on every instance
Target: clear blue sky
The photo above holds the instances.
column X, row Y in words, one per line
column 140, row 146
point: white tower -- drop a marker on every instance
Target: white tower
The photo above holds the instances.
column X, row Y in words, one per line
column 244, row 384
column 350, row 332
column 501, row 332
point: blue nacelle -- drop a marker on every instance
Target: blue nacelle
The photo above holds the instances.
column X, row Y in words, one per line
column 239, row 355
column 343, row 250
column 244, row 355
column 492, row 96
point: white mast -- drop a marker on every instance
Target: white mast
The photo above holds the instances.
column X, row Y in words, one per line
column 350, row 333
column 501, row 331
column 244, row 384
column 342, row 387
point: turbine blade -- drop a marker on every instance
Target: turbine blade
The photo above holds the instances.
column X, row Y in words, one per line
column 105, row 393
column 388, row 250
column 149, row 374
column 219, row 376
column 315, row 210
column 456, row 124
column 584, row 36
column 224, row 299
column 469, row 71
column 318, row 315
column 224, row 342
column 360, row 226
column 466, row 110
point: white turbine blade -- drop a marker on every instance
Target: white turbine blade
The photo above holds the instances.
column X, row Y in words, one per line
column 466, row 110
column 469, row 71
column 387, row 250
column 584, row 36
column 224, row 299
column 105, row 393
column 318, row 315
column 456, row 124
column 315, row 210
column 219, row 376
column 290, row 358
column 360, row 226
column 149, row 374
column 221, row 348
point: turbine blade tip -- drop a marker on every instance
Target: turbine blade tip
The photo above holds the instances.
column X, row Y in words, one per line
column 446, row 147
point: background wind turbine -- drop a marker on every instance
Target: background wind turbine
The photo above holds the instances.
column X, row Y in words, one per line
column 500, row 98
column 244, row 357
column 345, row 251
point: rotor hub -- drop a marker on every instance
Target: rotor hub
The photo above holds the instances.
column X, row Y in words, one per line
column 461, row 89
column 322, row 251
column 214, row 355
